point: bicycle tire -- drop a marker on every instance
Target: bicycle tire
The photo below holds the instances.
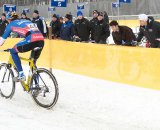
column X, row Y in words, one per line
column 6, row 74
column 44, row 85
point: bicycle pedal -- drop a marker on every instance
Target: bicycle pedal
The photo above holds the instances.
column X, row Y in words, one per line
column 19, row 79
column 35, row 93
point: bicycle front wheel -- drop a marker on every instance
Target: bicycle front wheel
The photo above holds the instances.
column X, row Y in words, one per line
column 7, row 84
column 44, row 88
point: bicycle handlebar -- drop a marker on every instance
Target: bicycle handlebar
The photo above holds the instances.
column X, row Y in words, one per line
column 7, row 50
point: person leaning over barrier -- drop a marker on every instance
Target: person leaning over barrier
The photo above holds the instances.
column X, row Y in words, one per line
column 150, row 29
column 102, row 31
column 92, row 24
column 122, row 35
column 81, row 28
column 67, row 29
column 55, row 26
column 32, row 39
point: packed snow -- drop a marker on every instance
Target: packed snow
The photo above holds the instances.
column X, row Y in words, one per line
column 84, row 104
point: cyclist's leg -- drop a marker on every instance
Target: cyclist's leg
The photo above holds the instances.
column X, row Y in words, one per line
column 23, row 46
column 36, row 54
column 14, row 53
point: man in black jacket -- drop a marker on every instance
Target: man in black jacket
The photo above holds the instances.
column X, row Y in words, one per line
column 81, row 27
column 41, row 24
column 102, row 31
column 150, row 29
column 3, row 23
column 92, row 23
column 122, row 35
column 55, row 26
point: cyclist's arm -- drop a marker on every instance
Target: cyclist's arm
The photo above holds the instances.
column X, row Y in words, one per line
column 5, row 35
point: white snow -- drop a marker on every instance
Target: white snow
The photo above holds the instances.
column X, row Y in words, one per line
column 84, row 104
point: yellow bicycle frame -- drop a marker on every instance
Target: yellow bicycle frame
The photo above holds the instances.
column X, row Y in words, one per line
column 31, row 65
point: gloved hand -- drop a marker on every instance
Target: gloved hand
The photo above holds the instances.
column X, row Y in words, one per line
column 134, row 43
column 126, row 43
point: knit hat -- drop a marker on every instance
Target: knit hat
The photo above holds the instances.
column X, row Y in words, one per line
column 55, row 16
column 100, row 14
column 36, row 11
column 95, row 11
column 68, row 16
column 143, row 17
column 79, row 13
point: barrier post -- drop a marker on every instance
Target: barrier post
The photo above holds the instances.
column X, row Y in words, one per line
column 50, row 38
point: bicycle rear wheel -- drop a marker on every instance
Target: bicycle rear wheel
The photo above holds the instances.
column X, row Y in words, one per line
column 44, row 88
column 7, row 85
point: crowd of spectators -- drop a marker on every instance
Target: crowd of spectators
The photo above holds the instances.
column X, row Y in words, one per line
column 82, row 30
column 96, row 30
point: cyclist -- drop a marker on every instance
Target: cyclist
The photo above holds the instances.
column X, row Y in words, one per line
column 32, row 39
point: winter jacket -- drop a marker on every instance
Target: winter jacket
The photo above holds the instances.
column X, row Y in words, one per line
column 41, row 24
column 67, row 31
column 82, row 29
column 151, row 32
column 56, row 27
column 3, row 25
column 124, row 36
column 92, row 27
column 102, row 31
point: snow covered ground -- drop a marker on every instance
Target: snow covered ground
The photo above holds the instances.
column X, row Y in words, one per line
column 84, row 104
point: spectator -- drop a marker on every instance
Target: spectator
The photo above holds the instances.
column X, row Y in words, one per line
column 71, row 15
column 122, row 35
column 67, row 29
column 92, row 24
column 55, row 26
column 101, row 30
column 150, row 29
column 3, row 23
column 106, row 18
column 61, row 20
column 81, row 27
column 24, row 16
column 40, row 23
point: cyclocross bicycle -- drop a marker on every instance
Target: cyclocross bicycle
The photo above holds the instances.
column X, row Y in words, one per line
column 41, row 83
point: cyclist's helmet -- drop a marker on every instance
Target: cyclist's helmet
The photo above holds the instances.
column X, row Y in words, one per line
column 12, row 16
